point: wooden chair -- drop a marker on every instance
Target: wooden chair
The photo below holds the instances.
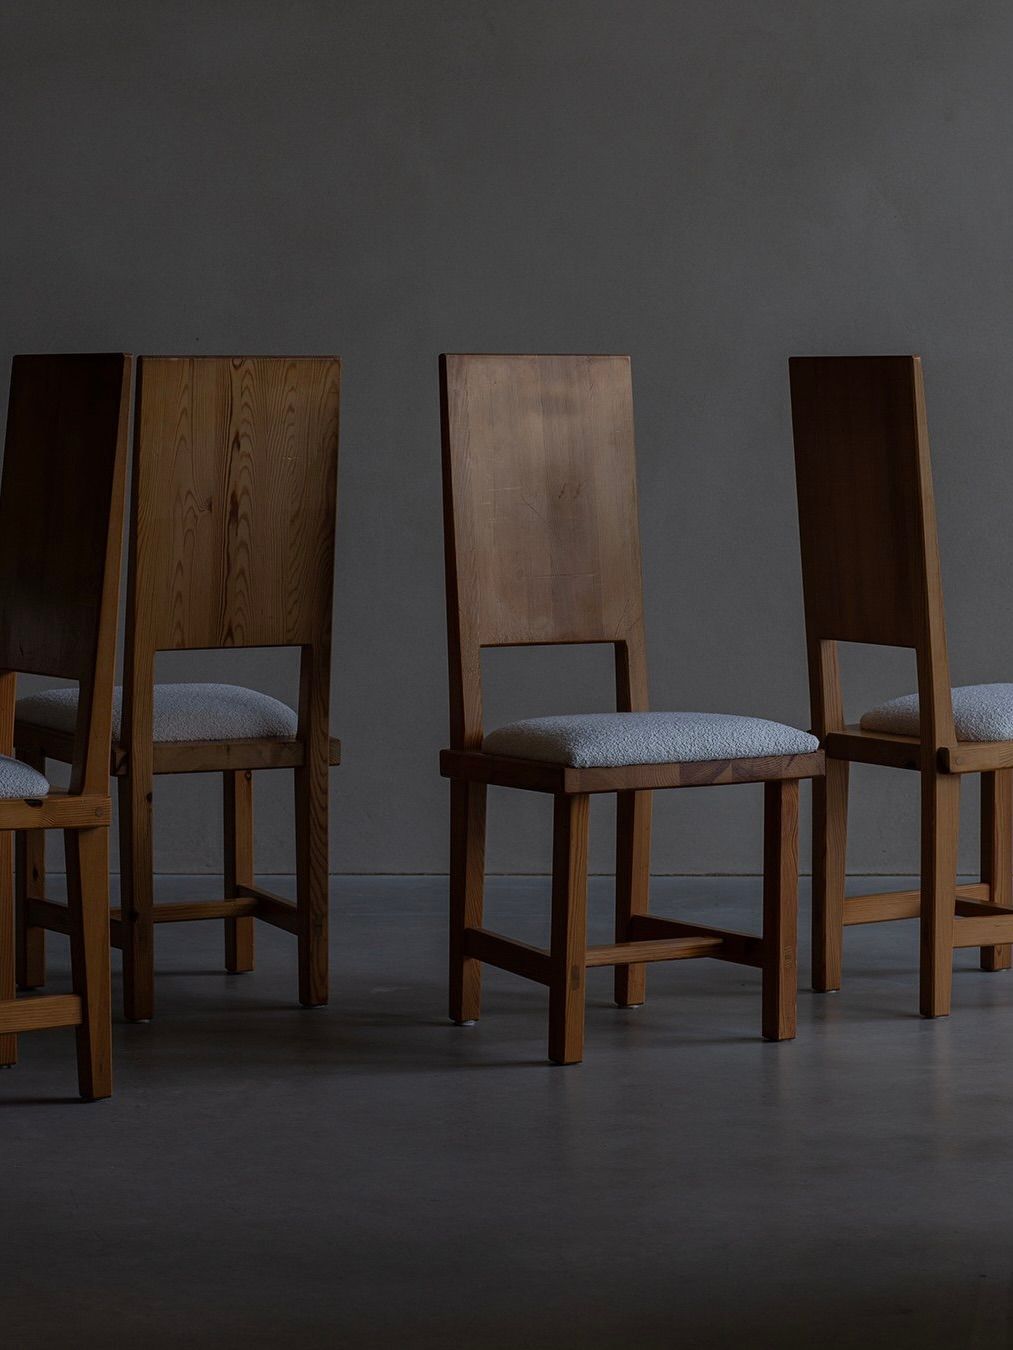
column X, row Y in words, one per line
column 231, row 545
column 61, row 539
column 542, row 546
column 870, row 568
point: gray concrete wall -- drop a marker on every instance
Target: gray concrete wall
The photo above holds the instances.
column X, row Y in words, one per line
column 709, row 185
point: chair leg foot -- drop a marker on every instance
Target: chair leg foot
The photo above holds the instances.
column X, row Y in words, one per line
column 568, row 945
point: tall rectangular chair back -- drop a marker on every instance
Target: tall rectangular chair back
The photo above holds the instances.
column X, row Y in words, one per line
column 61, row 513
column 870, row 558
column 540, row 503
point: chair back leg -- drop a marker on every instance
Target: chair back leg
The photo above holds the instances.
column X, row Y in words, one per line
column 568, row 943
column 237, row 803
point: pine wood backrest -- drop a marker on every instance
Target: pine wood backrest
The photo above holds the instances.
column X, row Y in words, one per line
column 234, row 500
column 61, row 535
column 540, row 516
column 870, row 559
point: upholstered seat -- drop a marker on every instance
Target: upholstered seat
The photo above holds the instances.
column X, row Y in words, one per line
column 981, row 712
column 19, row 780
column 182, row 712
column 611, row 740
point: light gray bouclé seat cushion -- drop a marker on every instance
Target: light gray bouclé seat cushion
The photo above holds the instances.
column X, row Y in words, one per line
column 20, row 780
column 183, row 712
column 981, row 712
column 610, row 740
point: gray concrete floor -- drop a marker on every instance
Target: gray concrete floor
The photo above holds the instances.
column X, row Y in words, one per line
column 368, row 1175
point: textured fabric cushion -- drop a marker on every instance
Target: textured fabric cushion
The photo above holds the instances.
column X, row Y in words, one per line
column 183, row 712
column 981, row 712
column 608, row 740
column 20, row 780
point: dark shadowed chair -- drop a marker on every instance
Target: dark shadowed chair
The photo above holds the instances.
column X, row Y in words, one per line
column 870, row 568
column 542, row 546
column 61, row 539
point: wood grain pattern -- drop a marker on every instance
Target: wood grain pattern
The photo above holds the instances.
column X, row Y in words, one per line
column 235, row 468
column 540, row 509
column 542, row 546
column 40, row 1013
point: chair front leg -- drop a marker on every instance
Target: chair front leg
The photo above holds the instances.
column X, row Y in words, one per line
column 780, row 909
column 830, row 840
column 8, row 984
column 997, row 854
column 940, row 829
column 568, row 944
column 237, row 802
column 87, row 854
column 137, row 898
column 467, row 888
column 633, row 880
